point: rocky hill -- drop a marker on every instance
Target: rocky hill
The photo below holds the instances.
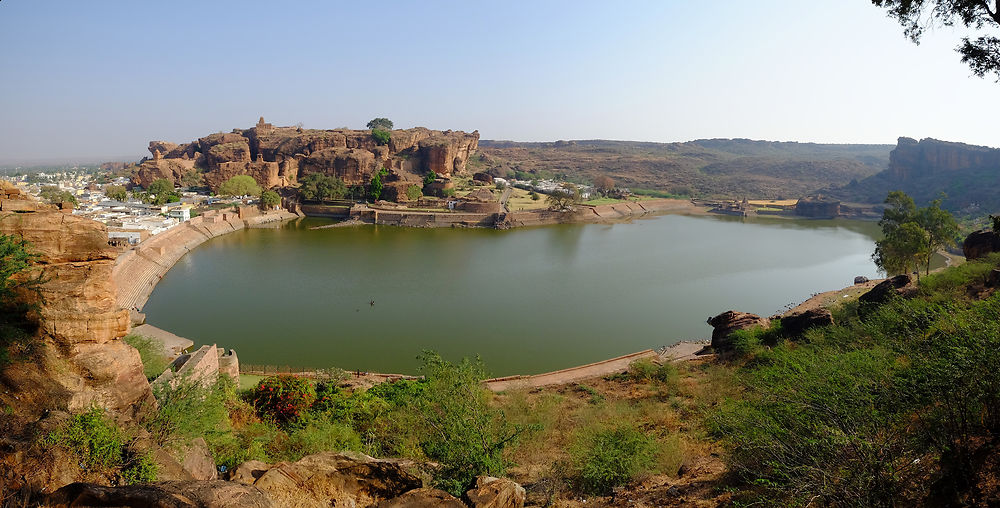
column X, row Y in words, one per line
column 967, row 174
column 710, row 167
column 279, row 156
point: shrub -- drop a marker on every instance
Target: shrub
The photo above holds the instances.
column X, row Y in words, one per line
column 282, row 398
column 154, row 358
column 608, row 458
column 381, row 137
column 190, row 409
column 269, row 199
column 316, row 435
column 534, row 196
column 648, row 371
column 103, row 447
column 430, row 177
column 414, row 192
column 375, row 188
column 466, row 435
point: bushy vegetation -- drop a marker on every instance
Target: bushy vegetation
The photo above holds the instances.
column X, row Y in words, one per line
column 159, row 192
column 612, row 457
column 53, row 194
column 17, row 328
column 116, row 192
column 375, row 187
column 103, row 448
column 320, row 187
column 282, row 399
column 893, row 407
column 414, row 192
column 154, row 358
column 269, row 199
column 239, row 185
column 381, row 136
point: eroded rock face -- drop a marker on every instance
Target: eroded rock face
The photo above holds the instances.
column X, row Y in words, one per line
column 490, row 492
column 900, row 285
column 174, row 494
column 423, row 498
column 980, row 243
column 82, row 361
column 795, row 324
column 329, row 479
column 279, row 156
column 728, row 322
column 912, row 159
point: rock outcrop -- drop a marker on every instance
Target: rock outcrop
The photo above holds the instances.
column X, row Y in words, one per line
column 980, row 243
column 423, row 498
column 900, row 285
column 329, row 479
column 913, row 159
column 278, row 156
column 490, row 492
column 796, row 323
column 728, row 322
column 179, row 494
column 817, row 207
column 83, row 361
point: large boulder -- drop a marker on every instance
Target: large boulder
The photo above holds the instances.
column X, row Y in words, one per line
column 900, row 285
column 173, row 494
column 980, row 243
column 423, row 498
column 490, row 492
column 329, row 479
column 796, row 323
column 728, row 322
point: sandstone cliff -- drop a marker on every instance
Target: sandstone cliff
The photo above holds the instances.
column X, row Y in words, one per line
column 82, row 361
column 967, row 175
column 279, row 156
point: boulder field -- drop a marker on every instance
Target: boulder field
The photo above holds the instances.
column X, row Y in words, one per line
column 280, row 156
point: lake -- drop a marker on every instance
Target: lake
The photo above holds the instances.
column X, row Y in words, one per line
column 526, row 300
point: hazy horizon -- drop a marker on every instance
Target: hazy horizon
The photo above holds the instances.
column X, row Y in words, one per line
column 92, row 82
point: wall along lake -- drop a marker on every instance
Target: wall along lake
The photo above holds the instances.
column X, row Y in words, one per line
column 526, row 300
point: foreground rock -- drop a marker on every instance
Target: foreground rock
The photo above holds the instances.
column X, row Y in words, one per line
column 213, row 494
column 796, row 323
column 329, row 479
column 730, row 321
column 490, row 492
column 900, row 285
column 423, row 498
column 980, row 243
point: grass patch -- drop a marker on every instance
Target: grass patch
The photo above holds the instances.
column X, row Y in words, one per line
column 103, row 448
column 154, row 358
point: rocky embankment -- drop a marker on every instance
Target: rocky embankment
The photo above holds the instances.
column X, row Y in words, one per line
column 280, row 156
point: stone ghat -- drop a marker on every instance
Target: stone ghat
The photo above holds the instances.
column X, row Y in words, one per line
column 137, row 270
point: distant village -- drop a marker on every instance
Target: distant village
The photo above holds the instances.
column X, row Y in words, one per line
column 129, row 222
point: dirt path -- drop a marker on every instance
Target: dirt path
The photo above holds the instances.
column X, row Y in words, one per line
column 611, row 366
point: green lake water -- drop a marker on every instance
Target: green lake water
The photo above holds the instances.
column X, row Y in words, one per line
column 526, row 300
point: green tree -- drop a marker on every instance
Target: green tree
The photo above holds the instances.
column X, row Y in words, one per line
column 375, row 188
column 380, row 123
column 903, row 250
column 940, row 226
column 317, row 186
column 116, row 192
column 981, row 54
column 55, row 195
column 413, row 192
column 240, row 185
column 269, row 199
column 565, row 196
column 381, row 136
column 465, row 433
column 430, row 177
column 161, row 192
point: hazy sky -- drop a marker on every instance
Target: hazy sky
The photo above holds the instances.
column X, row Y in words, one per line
column 100, row 78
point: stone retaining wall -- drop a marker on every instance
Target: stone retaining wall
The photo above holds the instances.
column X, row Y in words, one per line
column 139, row 269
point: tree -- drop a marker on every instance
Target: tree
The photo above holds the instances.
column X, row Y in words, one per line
column 904, row 250
column 161, row 192
column 55, row 195
column 317, row 186
column 413, row 192
column 940, row 226
column 604, row 184
column 380, row 123
column 375, row 188
column 565, row 196
column 981, row 54
column 381, row 136
column 116, row 192
column 269, row 199
column 240, row 185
